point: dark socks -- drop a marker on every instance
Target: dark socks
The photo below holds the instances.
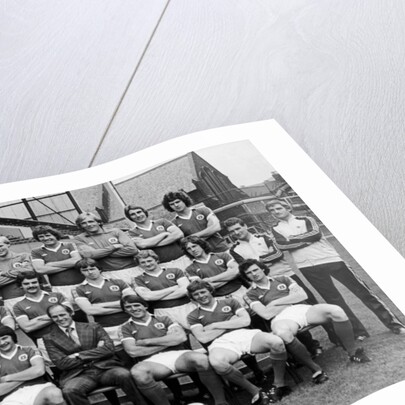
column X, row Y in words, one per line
column 154, row 392
column 345, row 333
column 233, row 375
column 214, row 385
column 279, row 371
column 299, row 352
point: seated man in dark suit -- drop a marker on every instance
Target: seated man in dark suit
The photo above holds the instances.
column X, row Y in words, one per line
column 84, row 353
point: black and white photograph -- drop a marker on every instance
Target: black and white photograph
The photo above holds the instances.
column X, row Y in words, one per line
column 205, row 279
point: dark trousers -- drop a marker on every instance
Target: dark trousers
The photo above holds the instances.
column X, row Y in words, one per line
column 320, row 277
column 311, row 300
column 76, row 390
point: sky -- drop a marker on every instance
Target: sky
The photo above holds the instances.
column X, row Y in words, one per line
column 240, row 161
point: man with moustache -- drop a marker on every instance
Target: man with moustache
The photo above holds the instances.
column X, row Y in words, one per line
column 31, row 311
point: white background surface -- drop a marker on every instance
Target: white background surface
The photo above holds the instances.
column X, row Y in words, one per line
column 82, row 83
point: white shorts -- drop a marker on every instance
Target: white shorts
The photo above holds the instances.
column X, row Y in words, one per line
column 126, row 275
column 25, row 395
column 178, row 314
column 296, row 313
column 238, row 341
column 238, row 295
column 168, row 359
column 180, row 263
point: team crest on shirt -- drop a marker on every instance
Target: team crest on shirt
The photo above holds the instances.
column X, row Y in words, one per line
column 226, row 309
column 170, row 276
column 52, row 300
column 160, row 228
column 113, row 240
column 219, row 262
column 114, row 288
column 65, row 251
column 281, row 287
column 23, row 357
column 159, row 325
column 200, row 217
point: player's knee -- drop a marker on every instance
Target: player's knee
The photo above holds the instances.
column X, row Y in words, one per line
column 53, row 395
column 199, row 362
column 141, row 375
column 337, row 314
column 285, row 334
column 276, row 344
column 218, row 363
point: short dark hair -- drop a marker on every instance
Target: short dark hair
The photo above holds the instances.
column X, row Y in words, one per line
column 87, row 261
column 132, row 299
column 132, row 207
column 7, row 331
column 43, row 229
column 176, row 195
column 86, row 214
column 195, row 240
column 233, row 221
column 199, row 285
column 250, row 262
column 28, row 274
column 278, row 201
column 65, row 307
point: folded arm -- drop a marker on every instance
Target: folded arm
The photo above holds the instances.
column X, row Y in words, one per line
column 30, row 325
column 36, row 370
column 173, row 234
column 55, row 267
column 175, row 336
column 213, row 226
column 102, row 308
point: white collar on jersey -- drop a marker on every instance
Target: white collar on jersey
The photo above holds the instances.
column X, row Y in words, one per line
column 38, row 299
column 266, row 287
column 209, row 309
column 12, row 354
column 141, row 323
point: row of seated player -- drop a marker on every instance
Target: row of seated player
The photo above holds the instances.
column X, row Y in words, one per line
column 218, row 324
column 115, row 252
